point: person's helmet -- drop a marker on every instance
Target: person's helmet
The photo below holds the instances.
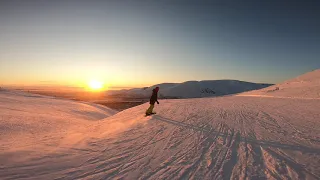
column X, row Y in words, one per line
column 157, row 89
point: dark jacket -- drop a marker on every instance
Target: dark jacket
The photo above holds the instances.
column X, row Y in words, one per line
column 154, row 97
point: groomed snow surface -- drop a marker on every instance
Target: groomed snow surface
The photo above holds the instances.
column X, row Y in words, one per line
column 234, row 137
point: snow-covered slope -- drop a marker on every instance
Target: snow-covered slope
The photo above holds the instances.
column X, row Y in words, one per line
column 230, row 137
column 304, row 86
column 193, row 89
column 34, row 128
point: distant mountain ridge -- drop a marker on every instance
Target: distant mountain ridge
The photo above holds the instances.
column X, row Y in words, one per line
column 192, row 89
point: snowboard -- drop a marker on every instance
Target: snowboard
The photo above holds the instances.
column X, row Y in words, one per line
column 151, row 114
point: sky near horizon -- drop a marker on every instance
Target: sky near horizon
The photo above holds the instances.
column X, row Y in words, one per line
column 140, row 43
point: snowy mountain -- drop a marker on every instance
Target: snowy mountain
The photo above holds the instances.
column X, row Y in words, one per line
column 304, row 86
column 230, row 137
column 193, row 89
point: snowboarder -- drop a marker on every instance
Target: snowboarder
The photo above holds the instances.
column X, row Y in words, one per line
column 153, row 99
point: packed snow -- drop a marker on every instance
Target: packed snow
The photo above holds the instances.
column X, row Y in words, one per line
column 231, row 137
column 192, row 89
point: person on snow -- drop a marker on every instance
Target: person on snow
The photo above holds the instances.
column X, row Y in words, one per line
column 153, row 99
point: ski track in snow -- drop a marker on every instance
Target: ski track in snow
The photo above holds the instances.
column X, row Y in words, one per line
column 230, row 137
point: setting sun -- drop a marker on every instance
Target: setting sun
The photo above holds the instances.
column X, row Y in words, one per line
column 95, row 85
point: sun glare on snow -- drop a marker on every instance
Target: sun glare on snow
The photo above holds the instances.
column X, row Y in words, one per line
column 95, row 85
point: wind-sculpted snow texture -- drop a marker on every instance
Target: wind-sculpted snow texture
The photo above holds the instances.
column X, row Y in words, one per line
column 234, row 137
